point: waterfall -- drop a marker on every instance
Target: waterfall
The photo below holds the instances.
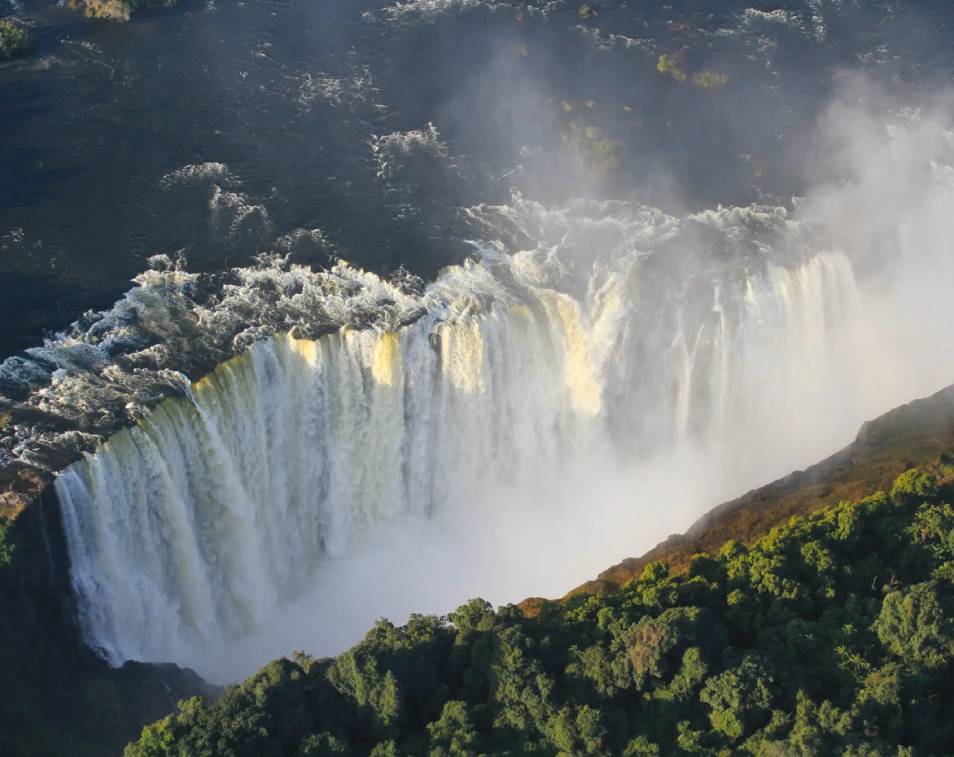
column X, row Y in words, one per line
column 591, row 380
column 191, row 529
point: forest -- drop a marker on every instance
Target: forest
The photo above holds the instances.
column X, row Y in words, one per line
column 832, row 634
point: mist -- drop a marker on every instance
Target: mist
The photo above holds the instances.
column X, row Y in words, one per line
column 600, row 375
column 507, row 545
column 610, row 269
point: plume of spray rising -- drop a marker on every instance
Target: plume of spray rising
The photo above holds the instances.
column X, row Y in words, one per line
column 600, row 374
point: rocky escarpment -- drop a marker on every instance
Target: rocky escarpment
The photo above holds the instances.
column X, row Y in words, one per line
column 59, row 697
column 920, row 433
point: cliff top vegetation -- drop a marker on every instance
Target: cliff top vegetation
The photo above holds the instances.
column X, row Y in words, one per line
column 832, row 634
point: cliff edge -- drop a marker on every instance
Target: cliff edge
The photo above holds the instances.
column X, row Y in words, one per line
column 920, row 433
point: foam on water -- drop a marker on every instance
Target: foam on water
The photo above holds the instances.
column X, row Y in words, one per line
column 596, row 375
column 194, row 529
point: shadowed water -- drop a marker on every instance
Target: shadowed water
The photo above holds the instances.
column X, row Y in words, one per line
column 604, row 271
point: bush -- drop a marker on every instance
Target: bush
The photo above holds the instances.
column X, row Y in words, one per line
column 913, row 486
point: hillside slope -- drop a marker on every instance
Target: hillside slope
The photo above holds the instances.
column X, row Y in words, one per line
column 832, row 633
column 920, row 433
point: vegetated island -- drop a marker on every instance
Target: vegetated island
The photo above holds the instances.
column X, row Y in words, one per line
column 832, row 633
column 116, row 10
column 15, row 38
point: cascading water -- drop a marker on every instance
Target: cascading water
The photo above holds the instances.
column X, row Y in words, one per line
column 193, row 528
column 594, row 378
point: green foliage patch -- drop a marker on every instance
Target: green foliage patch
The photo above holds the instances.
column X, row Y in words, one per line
column 14, row 38
column 833, row 634
column 116, row 10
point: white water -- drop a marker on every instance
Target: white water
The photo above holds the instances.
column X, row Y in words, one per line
column 597, row 378
column 192, row 529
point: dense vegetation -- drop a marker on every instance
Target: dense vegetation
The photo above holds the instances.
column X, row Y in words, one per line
column 833, row 634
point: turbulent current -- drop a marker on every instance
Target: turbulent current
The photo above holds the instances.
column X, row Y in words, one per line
column 593, row 377
column 217, row 507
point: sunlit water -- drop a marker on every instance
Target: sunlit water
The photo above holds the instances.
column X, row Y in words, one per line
column 586, row 377
column 547, row 412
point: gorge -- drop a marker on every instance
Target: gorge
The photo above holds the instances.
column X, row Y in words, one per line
column 445, row 299
column 540, row 391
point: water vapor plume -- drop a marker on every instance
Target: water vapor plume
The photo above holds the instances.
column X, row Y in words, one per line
column 685, row 261
column 568, row 398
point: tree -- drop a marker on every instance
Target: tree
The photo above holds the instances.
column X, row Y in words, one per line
column 740, row 698
column 453, row 735
column 913, row 486
column 917, row 625
column 323, row 744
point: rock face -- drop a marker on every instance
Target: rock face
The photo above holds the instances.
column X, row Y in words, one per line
column 920, row 433
column 19, row 486
column 60, row 697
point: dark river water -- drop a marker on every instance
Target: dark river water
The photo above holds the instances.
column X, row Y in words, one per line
column 710, row 239
column 276, row 107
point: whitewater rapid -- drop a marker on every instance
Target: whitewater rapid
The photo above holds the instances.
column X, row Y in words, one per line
column 591, row 380
column 194, row 527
